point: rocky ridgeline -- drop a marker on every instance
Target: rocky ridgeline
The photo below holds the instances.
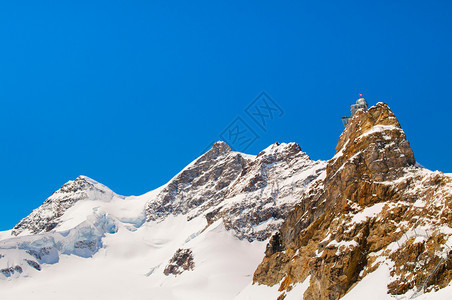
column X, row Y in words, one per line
column 374, row 207
column 370, row 206
column 46, row 217
column 251, row 194
column 200, row 185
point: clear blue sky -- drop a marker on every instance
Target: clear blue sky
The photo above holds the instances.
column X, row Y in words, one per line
column 129, row 92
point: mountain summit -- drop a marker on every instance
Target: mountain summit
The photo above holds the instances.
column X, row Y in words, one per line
column 45, row 218
column 375, row 211
column 238, row 226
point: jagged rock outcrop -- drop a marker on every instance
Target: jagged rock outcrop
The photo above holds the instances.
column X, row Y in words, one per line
column 7, row 272
column 181, row 261
column 203, row 183
column 374, row 207
column 252, row 194
column 46, row 217
column 267, row 190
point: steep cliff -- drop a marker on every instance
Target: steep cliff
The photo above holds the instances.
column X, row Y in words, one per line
column 374, row 207
column 251, row 194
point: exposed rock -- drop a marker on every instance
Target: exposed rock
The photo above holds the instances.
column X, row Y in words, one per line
column 11, row 270
column 181, row 261
column 39, row 254
column 335, row 221
column 33, row 264
column 372, row 200
column 251, row 194
column 46, row 217
column 86, row 244
column 202, row 182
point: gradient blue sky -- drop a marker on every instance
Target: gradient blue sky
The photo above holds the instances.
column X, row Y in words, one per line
column 129, row 92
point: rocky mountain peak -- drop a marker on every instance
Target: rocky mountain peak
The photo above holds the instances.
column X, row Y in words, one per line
column 203, row 182
column 371, row 208
column 281, row 150
column 81, row 183
column 364, row 120
column 218, row 149
column 241, row 189
column 45, row 217
column 373, row 145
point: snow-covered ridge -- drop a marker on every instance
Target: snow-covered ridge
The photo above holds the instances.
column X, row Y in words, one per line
column 249, row 195
column 203, row 234
column 26, row 254
column 214, row 185
column 46, row 217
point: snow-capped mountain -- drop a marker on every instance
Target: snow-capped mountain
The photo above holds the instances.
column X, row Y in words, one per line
column 223, row 202
column 378, row 225
column 252, row 195
column 232, row 225
column 48, row 216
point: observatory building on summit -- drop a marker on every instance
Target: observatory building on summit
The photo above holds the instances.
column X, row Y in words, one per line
column 361, row 103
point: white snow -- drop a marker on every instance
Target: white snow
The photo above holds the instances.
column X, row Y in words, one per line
column 5, row 234
column 224, row 265
column 102, row 247
column 259, row 291
column 381, row 129
column 368, row 212
column 373, row 286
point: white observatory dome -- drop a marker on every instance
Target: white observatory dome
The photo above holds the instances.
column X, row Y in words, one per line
column 361, row 101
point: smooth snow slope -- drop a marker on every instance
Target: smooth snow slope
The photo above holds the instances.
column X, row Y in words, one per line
column 130, row 266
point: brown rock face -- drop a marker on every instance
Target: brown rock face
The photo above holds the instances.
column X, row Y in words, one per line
column 180, row 262
column 374, row 203
column 373, row 146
